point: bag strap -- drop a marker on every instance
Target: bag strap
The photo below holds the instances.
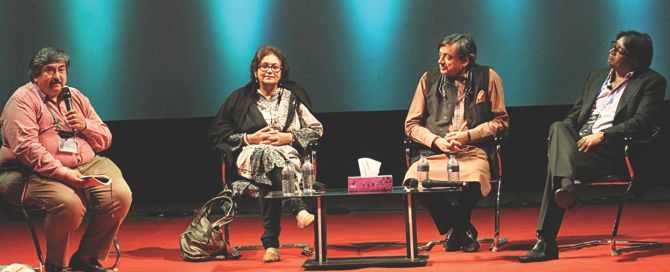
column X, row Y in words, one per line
column 229, row 215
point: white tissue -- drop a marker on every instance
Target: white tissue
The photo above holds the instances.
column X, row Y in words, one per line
column 369, row 167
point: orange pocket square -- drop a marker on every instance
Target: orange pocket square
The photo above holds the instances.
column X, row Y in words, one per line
column 481, row 98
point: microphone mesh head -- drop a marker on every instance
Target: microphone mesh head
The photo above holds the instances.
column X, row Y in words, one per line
column 65, row 93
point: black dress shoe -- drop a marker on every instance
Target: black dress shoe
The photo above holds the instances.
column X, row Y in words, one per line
column 49, row 267
column 468, row 242
column 542, row 251
column 566, row 197
column 77, row 264
column 452, row 243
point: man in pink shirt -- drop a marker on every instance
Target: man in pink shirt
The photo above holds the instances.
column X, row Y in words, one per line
column 50, row 135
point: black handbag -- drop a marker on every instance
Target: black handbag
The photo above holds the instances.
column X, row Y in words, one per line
column 203, row 239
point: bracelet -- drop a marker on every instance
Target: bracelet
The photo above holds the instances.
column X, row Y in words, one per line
column 469, row 138
column 244, row 138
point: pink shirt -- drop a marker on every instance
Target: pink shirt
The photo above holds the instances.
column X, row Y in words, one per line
column 30, row 134
column 607, row 102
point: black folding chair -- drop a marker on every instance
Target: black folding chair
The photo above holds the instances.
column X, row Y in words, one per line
column 618, row 182
column 497, row 242
column 26, row 210
column 229, row 177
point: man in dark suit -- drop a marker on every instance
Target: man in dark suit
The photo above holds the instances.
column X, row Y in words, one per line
column 623, row 100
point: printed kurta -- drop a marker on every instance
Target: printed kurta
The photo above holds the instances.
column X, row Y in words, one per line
column 255, row 161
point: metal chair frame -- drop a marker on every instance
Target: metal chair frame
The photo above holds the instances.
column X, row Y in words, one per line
column 497, row 242
column 306, row 248
column 33, row 232
column 628, row 245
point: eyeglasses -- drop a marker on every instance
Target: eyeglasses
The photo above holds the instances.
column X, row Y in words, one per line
column 618, row 49
column 51, row 71
column 266, row 67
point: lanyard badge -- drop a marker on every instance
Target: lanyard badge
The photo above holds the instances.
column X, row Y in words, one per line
column 68, row 145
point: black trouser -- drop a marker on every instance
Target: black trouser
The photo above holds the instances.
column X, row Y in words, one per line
column 566, row 162
column 271, row 210
column 447, row 214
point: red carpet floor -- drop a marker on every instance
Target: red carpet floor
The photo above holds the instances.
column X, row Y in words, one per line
column 152, row 244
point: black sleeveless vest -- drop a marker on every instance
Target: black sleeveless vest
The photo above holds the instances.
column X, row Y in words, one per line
column 439, row 109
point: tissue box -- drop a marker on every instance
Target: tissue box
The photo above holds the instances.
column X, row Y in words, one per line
column 370, row 184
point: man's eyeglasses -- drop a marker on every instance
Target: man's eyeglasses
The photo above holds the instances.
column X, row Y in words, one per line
column 618, row 49
column 265, row 68
column 52, row 72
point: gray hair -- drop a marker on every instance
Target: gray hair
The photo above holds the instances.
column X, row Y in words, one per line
column 465, row 44
column 46, row 56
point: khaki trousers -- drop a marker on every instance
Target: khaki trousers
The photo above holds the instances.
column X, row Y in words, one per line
column 65, row 208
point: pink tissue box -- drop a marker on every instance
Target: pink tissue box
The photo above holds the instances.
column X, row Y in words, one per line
column 370, row 184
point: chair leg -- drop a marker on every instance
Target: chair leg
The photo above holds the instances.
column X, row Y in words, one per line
column 117, row 248
column 235, row 251
column 306, row 249
column 628, row 245
column 429, row 245
column 613, row 242
column 617, row 219
column 497, row 242
column 36, row 240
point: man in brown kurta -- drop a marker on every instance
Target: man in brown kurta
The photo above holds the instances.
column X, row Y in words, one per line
column 459, row 108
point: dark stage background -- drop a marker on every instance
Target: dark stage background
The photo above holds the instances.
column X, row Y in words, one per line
column 157, row 71
column 178, row 166
column 158, row 59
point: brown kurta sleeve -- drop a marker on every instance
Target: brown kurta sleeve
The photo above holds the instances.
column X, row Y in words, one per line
column 500, row 120
column 413, row 126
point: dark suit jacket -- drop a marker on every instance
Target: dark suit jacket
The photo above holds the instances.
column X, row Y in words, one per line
column 638, row 112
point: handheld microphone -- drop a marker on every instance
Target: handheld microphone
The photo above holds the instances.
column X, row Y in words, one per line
column 67, row 97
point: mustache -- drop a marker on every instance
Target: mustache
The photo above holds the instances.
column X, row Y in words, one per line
column 55, row 81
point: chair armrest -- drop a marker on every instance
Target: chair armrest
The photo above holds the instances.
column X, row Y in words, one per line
column 310, row 150
column 312, row 146
column 653, row 135
column 500, row 137
column 409, row 145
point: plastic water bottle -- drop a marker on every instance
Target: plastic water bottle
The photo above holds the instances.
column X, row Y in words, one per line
column 288, row 180
column 422, row 169
column 308, row 177
column 453, row 170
